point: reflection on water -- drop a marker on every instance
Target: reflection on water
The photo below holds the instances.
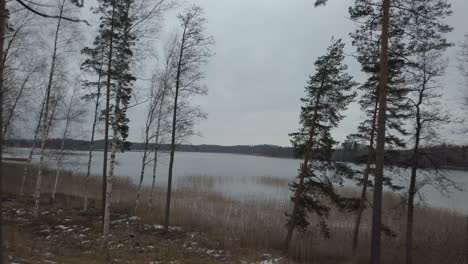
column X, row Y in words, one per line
column 239, row 177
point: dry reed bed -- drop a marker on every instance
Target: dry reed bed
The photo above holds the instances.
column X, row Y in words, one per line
column 439, row 234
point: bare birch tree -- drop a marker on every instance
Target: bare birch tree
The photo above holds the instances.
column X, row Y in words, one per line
column 427, row 44
column 32, row 149
column 22, row 65
column 74, row 111
column 155, row 112
column 192, row 52
column 60, row 45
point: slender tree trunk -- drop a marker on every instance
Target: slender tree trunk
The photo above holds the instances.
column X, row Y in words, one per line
column 410, row 217
column 91, row 148
column 149, row 122
column 412, row 187
column 93, row 132
column 57, row 171
column 3, row 23
column 31, row 151
column 156, row 149
column 46, row 126
column 61, row 154
column 380, row 149
column 37, row 189
column 115, row 142
column 362, row 200
column 106, row 129
column 109, row 179
column 173, row 136
column 109, row 184
column 142, row 172
column 298, row 193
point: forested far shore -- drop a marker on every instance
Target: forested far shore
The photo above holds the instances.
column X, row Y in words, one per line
column 442, row 156
column 71, row 144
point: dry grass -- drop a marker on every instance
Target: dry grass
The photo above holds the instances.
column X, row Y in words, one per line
column 439, row 234
column 273, row 181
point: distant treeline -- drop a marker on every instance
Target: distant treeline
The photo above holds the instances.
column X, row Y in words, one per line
column 442, row 156
column 259, row 150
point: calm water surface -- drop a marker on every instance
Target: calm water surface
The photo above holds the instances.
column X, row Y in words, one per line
column 237, row 176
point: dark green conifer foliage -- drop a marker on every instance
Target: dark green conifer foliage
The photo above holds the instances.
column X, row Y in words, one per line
column 328, row 93
column 113, row 48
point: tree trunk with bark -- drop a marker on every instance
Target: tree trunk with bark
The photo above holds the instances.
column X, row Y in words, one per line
column 380, row 148
column 173, row 135
column 106, row 128
column 300, row 187
column 46, row 123
column 109, row 178
column 363, row 198
column 31, row 151
column 142, row 171
column 414, row 168
column 62, row 145
column 3, row 25
column 93, row 132
column 156, row 149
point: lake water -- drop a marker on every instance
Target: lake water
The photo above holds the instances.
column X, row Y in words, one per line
column 239, row 176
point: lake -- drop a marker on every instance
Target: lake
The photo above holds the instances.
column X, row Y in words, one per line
column 239, row 177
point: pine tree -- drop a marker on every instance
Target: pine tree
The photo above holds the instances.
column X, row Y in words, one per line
column 328, row 93
column 111, row 58
column 124, row 79
column 366, row 40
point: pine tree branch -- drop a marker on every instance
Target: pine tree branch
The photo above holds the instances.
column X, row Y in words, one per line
column 50, row 16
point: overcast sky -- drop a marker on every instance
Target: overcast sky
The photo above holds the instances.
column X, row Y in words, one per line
column 264, row 52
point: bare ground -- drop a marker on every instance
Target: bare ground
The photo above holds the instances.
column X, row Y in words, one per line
column 66, row 235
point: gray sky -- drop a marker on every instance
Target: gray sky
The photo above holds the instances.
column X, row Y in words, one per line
column 264, row 51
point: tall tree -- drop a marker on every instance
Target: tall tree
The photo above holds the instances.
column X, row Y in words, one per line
column 73, row 111
column 366, row 40
column 93, row 64
column 164, row 80
column 385, row 18
column 123, row 78
column 154, row 114
column 193, row 51
column 427, row 43
column 380, row 145
column 107, row 10
column 328, row 94
column 59, row 47
column 3, row 26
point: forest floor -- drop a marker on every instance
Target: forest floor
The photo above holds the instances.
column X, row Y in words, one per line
column 66, row 235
